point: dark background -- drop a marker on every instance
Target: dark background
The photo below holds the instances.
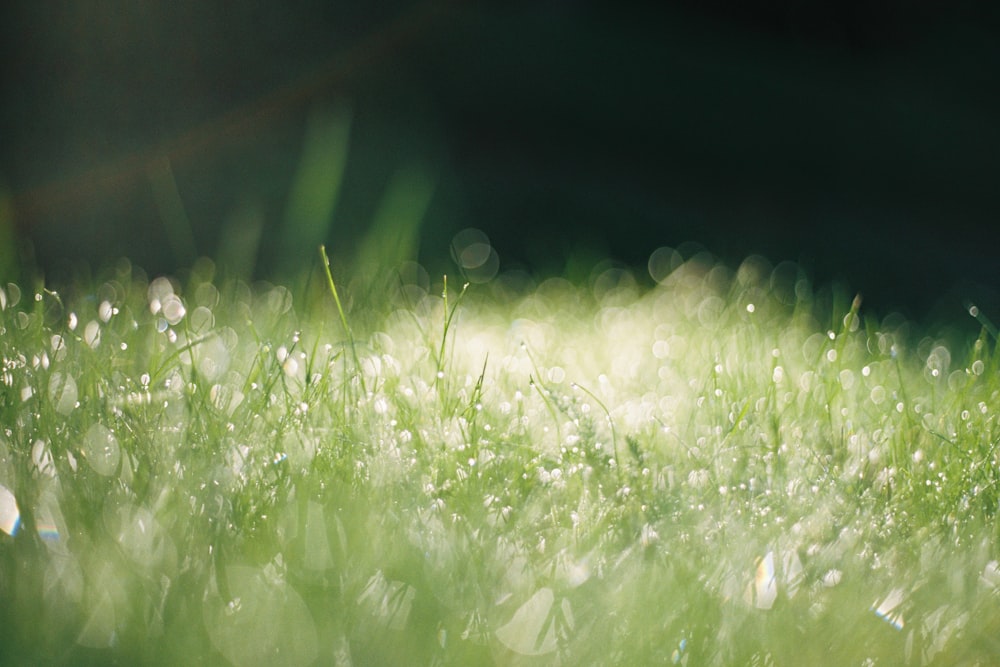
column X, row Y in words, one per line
column 861, row 139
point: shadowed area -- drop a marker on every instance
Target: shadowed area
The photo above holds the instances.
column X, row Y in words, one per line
column 858, row 139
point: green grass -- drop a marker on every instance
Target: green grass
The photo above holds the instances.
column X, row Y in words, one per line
column 723, row 469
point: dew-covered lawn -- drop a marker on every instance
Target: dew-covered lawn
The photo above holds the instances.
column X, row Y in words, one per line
column 724, row 469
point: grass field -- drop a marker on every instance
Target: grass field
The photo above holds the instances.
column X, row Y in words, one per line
column 727, row 468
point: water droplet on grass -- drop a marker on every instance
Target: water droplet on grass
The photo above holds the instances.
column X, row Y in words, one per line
column 142, row 538
column 173, row 309
column 270, row 624
column 389, row 601
column 678, row 656
column 207, row 295
column 92, row 334
column 663, row 262
column 889, row 609
column 100, row 448
column 764, row 589
column 202, row 320
column 62, row 392
column 991, row 575
column 534, row 628
column 10, row 515
column 160, row 289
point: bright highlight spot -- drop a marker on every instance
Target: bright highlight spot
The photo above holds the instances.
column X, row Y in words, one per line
column 889, row 609
column 763, row 591
column 10, row 515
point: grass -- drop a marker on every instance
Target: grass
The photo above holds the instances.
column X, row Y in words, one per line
column 727, row 468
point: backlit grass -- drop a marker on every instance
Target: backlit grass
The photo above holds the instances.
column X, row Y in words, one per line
column 723, row 469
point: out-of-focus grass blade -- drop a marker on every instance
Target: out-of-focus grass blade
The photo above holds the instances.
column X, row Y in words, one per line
column 316, row 186
column 394, row 234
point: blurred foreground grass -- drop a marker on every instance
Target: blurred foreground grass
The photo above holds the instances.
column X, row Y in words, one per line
column 718, row 470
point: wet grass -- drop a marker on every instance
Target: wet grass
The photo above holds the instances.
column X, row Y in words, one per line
column 723, row 469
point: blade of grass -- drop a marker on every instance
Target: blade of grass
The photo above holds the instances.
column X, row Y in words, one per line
column 343, row 316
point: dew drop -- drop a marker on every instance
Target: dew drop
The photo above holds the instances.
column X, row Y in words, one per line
column 832, row 578
column 92, row 334
column 63, row 392
column 14, row 294
column 101, row 449
column 10, row 515
column 41, row 457
column 173, row 309
column 202, row 320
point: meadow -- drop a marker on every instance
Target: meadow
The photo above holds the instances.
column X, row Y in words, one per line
column 708, row 465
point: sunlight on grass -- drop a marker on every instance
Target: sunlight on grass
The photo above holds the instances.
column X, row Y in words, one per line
column 701, row 472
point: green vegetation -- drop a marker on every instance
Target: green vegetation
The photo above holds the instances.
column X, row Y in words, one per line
column 726, row 468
